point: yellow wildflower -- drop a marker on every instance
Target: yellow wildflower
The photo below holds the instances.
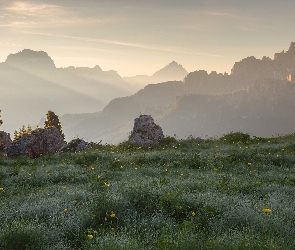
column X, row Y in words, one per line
column 249, row 164
column 266, row 210
column 121, row 167
column 29, row 174
column 90, row 236
column 95, row 232
column 112, row 215
column 193, row 213
column 180, row 207
column 106, row 184
column 98, row 177
column 215, row 169
column 65, row 210
column 181, row 175
column 135, row 168
column 92, row 168
column 1, row 189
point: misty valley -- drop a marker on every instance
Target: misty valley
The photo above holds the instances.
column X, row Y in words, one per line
column 256, row 98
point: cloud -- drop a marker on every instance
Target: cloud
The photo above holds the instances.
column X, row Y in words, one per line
column 126, row 44
column 39, row 15
column 32, row 9
column 10, row 44
column 227, row 15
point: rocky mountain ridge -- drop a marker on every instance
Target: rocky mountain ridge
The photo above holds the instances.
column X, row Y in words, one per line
column 255, row 98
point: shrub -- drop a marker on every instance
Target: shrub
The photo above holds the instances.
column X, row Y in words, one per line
column 168, row 140
column 235, row 137
column 72, row 145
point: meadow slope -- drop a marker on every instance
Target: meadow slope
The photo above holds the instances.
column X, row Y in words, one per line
column 231, row 193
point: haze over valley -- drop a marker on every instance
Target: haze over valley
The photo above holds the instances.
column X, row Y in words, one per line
column 256, row 98
column 200, row 68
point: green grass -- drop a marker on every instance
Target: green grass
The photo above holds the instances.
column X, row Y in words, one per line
column 191, row 195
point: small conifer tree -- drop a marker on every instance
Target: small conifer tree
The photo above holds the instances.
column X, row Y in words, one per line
column 15, row 135
column 53, row 121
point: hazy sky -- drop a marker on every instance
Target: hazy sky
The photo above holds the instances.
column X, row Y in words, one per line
column 141, row 36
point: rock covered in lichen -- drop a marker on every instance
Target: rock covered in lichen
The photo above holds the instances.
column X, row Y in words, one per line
column 145, row 132
column 38, row 142
column 5, row 141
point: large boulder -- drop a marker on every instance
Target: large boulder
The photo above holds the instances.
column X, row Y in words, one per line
column 5, row 140
column 145, row 132
column 38, row 142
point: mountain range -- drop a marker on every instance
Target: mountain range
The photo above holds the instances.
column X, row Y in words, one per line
column 255, row 98
column 31, row 85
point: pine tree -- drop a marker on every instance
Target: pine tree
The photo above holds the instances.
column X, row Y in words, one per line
column 53, row 121
column 29, row 129
column 23, row 130
column 15, row 135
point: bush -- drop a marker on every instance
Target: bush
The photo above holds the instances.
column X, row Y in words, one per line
column 168, row 140
column 235, row 137
column 72, row 145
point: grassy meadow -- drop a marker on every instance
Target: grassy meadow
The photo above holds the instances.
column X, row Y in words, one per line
column 231, row 193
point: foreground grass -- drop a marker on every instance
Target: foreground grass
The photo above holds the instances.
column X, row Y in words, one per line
column 195, row 195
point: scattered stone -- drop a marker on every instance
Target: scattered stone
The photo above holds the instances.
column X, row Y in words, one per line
column 145, row 132
column 38, row 142
column 76, row 145
column 5, row 141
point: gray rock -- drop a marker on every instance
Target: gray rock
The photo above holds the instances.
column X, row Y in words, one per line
column 145, row 132
column 5, row 140
column 38, row 142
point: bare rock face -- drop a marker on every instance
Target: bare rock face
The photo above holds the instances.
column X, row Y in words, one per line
column 38, row 142
column 5, row 140
column 145, row 132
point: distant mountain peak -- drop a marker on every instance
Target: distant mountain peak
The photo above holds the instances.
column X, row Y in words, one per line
column 172, row 71
column 173, row 63
column 30, row 59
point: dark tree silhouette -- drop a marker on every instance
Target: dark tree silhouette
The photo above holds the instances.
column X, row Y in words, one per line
column 0, row 119
column 52, row 120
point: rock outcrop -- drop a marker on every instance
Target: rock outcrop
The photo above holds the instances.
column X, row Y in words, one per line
column 76, row 145
column 5, row 140
column 38, row 142
column 145, row 132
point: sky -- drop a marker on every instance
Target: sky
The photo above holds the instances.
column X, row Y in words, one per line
column 138, row 37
